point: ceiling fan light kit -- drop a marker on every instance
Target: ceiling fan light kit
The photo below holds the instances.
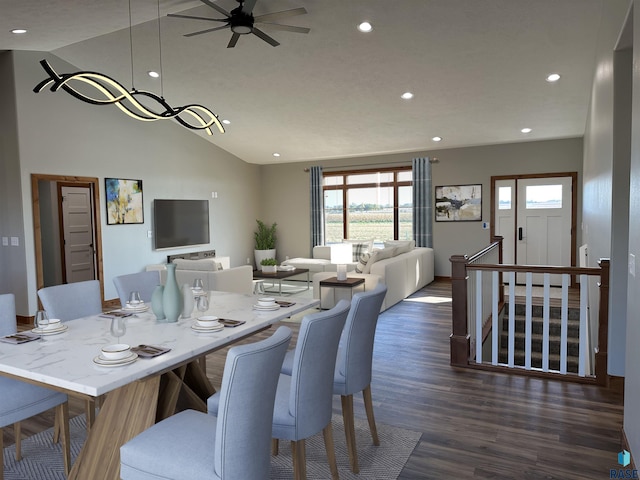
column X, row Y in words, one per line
column 241, row 21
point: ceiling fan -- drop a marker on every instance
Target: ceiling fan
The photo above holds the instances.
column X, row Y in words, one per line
column 242, row 22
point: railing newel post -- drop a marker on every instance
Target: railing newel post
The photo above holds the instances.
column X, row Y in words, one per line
column 601, row 355
column 460, row 346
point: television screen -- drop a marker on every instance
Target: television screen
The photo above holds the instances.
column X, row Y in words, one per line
column 178, row 223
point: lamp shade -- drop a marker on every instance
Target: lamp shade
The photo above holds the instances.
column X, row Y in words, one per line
column 341, row 253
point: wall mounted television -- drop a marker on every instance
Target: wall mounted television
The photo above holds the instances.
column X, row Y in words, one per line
column 180, row 223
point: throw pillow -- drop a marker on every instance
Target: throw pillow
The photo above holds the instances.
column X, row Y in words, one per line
column 205, row 264
column 368, row 243
column 402, row 246
column 362, row 262
column 358, row 250
column 377, row 255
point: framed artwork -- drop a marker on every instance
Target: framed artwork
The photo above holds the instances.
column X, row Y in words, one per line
column 124, row 201
column 459, row 203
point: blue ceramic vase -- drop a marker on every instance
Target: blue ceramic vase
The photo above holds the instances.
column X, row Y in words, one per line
column 172, row 296
column 156, row 302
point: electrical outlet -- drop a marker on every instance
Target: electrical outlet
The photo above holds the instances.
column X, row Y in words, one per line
column 149, row 234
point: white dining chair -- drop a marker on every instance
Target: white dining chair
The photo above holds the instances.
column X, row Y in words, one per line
column 21, row 400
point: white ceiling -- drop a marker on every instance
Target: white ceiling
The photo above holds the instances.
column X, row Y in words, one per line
column 477, row 69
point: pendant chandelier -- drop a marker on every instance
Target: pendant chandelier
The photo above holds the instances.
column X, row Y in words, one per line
column 107, row 91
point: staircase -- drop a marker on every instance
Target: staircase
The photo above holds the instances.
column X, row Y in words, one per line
column 573, row 335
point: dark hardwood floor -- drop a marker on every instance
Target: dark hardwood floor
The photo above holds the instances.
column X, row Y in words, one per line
column 474, row 424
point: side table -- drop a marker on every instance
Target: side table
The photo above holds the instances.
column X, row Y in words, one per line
column 333, row 290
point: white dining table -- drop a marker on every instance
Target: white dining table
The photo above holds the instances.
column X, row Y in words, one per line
column 145, row 391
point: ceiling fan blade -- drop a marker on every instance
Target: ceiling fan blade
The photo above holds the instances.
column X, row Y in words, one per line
column 177, row 15
column 247, row 6
column 208, row 30
column 287, row 28
column 216, row 7
column 234, row 40
column 278, row 15
column 259, row 33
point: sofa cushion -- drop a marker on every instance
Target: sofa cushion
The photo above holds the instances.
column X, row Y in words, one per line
column 377, row 255
column 402, row 246
column 203, row 265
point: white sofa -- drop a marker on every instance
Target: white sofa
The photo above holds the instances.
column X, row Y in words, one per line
column 403, row 273
column 214, row 272
column 321, row 261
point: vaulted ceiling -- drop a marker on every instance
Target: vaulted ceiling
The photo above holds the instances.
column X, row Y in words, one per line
column 477, row 68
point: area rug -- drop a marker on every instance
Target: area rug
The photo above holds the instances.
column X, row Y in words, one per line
column 42, row 460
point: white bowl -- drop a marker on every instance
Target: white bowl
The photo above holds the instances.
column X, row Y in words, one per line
column 53, row 324
column 116, row 351
column 208, row 321
column 266, row 301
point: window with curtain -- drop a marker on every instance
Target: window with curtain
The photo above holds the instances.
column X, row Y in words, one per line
column 368, row 204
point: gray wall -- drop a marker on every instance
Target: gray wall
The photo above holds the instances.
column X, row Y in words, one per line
column 58, row 134
column 286, row 200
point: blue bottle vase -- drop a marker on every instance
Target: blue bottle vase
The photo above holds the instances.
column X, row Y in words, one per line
column 156, row 302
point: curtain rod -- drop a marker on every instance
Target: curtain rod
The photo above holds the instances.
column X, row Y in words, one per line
column 342, row 167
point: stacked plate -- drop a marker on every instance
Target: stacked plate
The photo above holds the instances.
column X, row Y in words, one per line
column 115, row 355
column 207, row 323
column 266, row 304
column 135, row 308
column 54, row 328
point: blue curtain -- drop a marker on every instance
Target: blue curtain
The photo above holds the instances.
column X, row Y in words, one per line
column 317, row 207
column 422, row 202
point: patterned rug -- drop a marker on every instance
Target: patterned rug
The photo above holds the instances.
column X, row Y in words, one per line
column 42, row 460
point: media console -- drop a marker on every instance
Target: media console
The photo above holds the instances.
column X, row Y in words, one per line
column 192, row 255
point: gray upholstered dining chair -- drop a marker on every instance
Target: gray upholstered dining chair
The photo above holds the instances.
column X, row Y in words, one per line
column 353, row 363
column 72, row 300
column 143, row 282
column 232, row 445
column 303, row 404
column 21, row 400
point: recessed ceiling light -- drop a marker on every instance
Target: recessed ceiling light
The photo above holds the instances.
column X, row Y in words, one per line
column 553, row 77
column 18, row 30
column 153, row 74
column 365, row 27
column 526, row 130
column 226, row 122
column 437, row 139
column 407, row 95
column 276, row 154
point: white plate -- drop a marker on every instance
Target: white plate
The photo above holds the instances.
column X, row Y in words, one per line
column 139, row 308
column 270, row 308
column 103, row 362
column 198, row 328
column 52, row 331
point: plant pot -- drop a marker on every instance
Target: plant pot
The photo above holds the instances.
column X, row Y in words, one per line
column 262, row 254
column 269, row 268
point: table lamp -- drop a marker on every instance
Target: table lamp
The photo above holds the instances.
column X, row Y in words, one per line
column 340, row 256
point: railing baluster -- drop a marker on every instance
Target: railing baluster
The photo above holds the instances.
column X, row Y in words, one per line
column 545, row 323
column 479, row 317
column 512, row 318
column 564, row 324
column 528, row 321
column 494, row 319
column 584, row 351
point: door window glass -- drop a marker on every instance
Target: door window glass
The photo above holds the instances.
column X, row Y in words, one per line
column 504, row 198
column 544, row 196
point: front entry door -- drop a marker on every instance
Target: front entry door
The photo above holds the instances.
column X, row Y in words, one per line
column 544, row 223
column 77, row 227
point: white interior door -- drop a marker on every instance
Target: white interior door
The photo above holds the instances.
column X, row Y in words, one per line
column 77, row 223
column 544, row 223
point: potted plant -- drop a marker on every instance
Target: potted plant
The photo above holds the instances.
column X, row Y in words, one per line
column 269, row 265
column 265, row 238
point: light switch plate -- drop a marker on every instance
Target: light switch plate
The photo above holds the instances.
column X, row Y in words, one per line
column 632, row 264
column 15, row 242
column 5, row 241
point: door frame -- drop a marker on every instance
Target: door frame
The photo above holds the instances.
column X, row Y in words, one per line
column 574, row 205
column 35, row 203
